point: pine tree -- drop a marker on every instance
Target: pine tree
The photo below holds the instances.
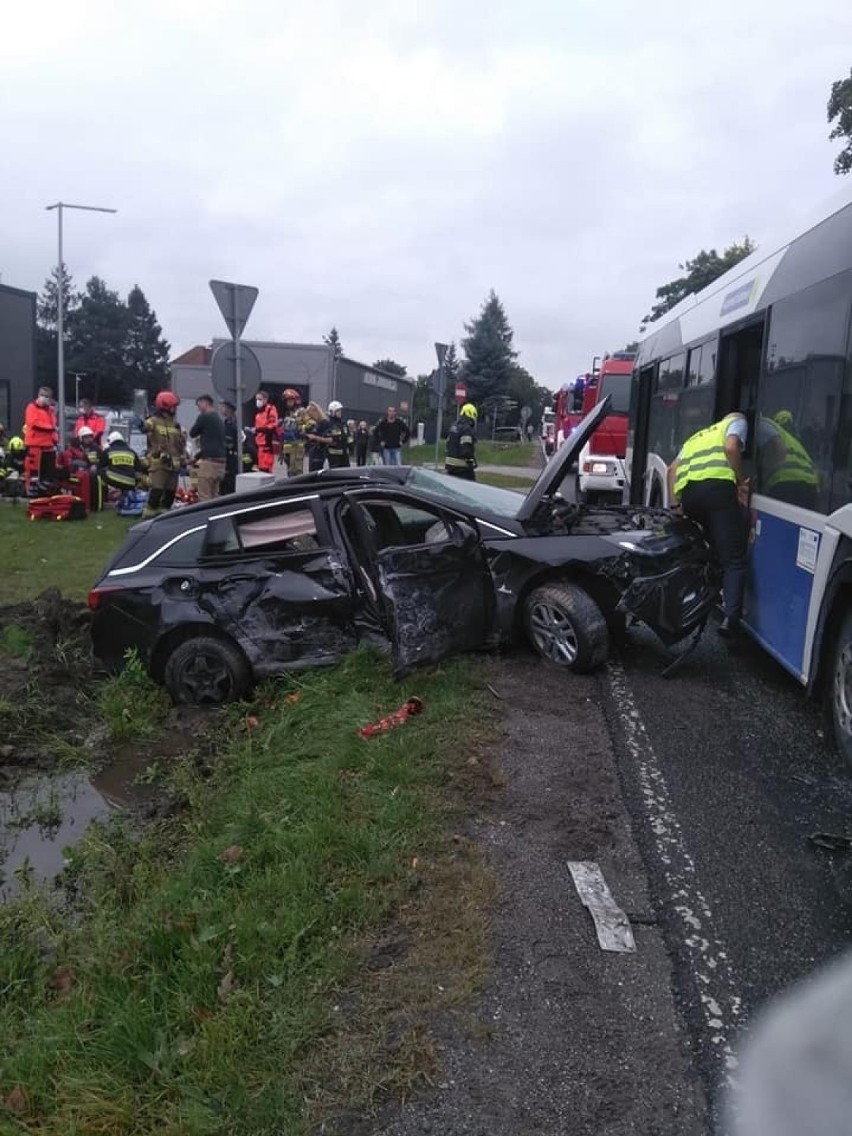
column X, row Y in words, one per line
column 840, row 108
column 47, row 308
column 97, row 333
column 332, row 340
column 146, row 352
column 489, row 352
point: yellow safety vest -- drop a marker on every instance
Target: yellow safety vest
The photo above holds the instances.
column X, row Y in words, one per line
column 797, row 466
column 703, row 457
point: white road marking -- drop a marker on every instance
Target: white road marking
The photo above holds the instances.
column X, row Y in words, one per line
column 720, row 1005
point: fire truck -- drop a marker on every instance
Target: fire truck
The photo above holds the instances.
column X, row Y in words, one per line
column 600, row 475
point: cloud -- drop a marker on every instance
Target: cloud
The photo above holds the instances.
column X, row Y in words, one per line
column 381, row 169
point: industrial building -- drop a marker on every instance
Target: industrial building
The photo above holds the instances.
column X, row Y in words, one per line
column 17, row 355
column 309, row 368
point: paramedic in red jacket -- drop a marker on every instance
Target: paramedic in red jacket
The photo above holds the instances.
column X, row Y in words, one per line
column 90, row 417
column 265, row 432
column 40, row 432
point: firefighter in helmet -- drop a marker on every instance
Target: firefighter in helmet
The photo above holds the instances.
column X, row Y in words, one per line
column 461, row 445
column 164, row 454
column 292, row 423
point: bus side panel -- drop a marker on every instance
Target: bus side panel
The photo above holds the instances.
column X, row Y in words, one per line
column 782, row 558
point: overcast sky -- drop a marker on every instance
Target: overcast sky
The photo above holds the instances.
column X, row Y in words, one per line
column 381, row 164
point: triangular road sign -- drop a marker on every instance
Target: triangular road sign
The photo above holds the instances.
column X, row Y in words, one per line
column 235, row 303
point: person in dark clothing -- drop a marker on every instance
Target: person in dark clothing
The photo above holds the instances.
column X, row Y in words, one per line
column 375, row 446
column 392, row 434
column 707, row 480
column 361, row 442
column 339, row 446
column 229, row 420
column 209, row 429
column 318, row 436
column 461, row 445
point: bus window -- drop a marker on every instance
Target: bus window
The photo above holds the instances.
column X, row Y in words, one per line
column 800, row 396
column 664, row 433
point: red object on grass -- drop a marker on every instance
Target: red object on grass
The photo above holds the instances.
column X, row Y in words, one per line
column 398, row 718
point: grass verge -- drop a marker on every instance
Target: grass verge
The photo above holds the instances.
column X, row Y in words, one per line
column 504, row 480
column 271, row 955
column 42, row 554
column 487, row 453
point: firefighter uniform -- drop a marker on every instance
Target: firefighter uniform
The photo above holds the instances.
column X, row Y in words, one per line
column 460, row 460
column 338, row 448
column 120, row 466
column 165, row 455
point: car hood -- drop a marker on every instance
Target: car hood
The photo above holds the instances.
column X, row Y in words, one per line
column 553, row 474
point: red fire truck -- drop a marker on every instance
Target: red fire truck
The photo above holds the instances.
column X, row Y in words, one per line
column 600, row 476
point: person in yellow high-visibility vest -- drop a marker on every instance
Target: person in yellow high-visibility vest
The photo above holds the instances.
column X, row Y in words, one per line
column 707, row 480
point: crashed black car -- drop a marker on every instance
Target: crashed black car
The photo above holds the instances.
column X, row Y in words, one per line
column 220, row 594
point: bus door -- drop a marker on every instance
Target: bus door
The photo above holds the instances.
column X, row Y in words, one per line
column 740, row 355
column 637, row 437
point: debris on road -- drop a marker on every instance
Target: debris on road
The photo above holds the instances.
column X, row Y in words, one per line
column 611, row 924
column 831, row 841
column 398, row 718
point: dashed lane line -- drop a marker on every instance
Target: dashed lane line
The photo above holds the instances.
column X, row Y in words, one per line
column 720, row 1006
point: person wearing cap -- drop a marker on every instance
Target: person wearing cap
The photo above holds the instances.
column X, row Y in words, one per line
column 209, row 429
column 461, row 445
column 90, row 419
column 228, row 412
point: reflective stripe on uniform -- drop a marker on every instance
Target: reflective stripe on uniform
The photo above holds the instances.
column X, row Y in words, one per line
column 703, row 457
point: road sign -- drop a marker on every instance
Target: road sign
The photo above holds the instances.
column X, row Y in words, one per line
column 461, row 393
column 235, row 303
column 441, row 350
column 526, row 411
column 224, row 370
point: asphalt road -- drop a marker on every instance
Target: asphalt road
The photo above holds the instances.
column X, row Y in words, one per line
column 726, row 772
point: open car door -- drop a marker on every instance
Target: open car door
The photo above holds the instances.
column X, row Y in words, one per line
column 429, row 574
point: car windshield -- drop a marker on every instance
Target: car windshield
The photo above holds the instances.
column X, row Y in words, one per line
column 470, row 494
column 619, row 387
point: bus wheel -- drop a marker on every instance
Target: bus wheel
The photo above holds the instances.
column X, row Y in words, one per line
column 841, row 689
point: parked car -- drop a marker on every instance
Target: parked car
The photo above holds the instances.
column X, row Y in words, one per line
column 217, row 595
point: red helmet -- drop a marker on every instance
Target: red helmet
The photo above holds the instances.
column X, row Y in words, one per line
column 166, row 400
column 291, row 395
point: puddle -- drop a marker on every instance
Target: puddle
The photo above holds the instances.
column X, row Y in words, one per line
column 39, row 818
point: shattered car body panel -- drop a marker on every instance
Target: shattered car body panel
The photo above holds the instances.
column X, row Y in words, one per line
column 299, row 573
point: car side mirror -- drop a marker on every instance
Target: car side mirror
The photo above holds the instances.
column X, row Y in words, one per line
column 464, row 534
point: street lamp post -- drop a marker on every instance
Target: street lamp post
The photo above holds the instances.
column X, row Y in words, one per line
column 60, row 312
column 77, row 376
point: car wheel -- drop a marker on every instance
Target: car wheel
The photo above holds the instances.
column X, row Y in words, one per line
column 567, row 627
column 206, row 671
column 841, row 689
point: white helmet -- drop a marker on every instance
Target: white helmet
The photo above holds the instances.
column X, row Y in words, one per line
column 115, row 436
column 333, row 407
column 85, row 432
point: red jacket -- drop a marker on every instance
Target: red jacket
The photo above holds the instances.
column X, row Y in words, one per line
column 266, row 427
column 95, row 423
column 40, row 427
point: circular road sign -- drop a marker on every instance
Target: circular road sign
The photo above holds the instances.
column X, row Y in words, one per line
column 222, row 372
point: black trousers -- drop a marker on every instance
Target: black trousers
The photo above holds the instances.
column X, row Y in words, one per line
column 725, row 522
column 464, row 471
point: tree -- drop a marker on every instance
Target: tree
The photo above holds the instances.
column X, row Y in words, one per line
column 146, row 352
column 489, row 352
column 423, row 401
column 840, row 108
column 629, row 349
column 391, row 367
column 699, row 272
column 332, row 340
column 97, row 337
column 525, row 391
column 47, row 308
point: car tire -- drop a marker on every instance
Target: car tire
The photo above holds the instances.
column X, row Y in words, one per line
column 206, row 671
column 566, row 627
column 840, row 689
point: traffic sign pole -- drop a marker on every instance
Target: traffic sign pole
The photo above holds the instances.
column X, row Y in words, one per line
column 238, row 381
column 441, row 351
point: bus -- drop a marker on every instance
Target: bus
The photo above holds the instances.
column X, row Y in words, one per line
column 772, row 338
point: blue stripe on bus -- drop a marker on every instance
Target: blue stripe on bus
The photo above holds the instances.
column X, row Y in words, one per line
column 778, row 593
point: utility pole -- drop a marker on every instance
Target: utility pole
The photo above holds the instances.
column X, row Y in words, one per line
column 441, row 350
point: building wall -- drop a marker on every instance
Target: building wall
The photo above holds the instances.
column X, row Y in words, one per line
column 17, row 355
column 367, row 393
column 309, row 368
